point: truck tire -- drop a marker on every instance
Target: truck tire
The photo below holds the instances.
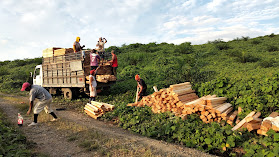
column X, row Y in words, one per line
column 68, row 94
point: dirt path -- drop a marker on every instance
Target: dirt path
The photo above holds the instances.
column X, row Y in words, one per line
column 55, row 143
column 48, row 141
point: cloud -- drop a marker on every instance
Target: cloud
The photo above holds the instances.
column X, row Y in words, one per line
column 31, row 26
column 215, row 5
column 57, row 23
column 3, row 42
column 221, row 19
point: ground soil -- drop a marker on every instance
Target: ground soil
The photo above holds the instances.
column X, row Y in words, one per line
column 53, row 142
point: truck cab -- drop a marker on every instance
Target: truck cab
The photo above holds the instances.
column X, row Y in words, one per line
column 38, row 76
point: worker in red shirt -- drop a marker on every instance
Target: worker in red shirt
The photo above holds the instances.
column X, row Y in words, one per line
column 114, row 63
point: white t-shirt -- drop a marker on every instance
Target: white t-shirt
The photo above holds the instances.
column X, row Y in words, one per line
column 94, row 83
column 101, row 45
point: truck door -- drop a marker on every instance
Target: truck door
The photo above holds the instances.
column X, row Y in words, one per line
column 37, row 77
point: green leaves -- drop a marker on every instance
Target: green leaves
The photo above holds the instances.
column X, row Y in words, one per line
column 260, row 94
column 207, row 140
column 276, row 137
column 12, row 143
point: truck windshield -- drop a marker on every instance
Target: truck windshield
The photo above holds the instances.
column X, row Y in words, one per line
column 37, row 72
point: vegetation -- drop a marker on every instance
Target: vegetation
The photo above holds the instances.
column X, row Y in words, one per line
column 245, row 70
column 14, row 73
column 12, row 142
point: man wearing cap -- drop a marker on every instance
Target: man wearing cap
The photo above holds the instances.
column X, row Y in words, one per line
column 44, row 102
column 92, row 85
column 142, row 86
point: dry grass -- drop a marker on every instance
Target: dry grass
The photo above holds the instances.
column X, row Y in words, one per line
column 61, row 124
column 105, row 145
column 95, row 141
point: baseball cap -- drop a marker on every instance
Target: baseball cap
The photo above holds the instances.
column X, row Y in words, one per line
column 92, row 71
column 137, row 77
column 25, row 85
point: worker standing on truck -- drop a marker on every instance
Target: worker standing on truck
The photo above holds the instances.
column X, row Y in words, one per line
column 94, row 59
column 141, row 85
column 92, row 85
column 114, row 63
column 44, row 102
column 101, row 47
column 76, row 45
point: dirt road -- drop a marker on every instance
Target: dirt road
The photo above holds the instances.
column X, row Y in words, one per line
column 65, row 138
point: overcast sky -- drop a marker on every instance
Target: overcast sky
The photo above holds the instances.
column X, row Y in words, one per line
column 29, row 26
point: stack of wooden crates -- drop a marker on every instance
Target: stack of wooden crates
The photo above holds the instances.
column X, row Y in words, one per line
column 49, row 52
column 56, row 51
column 96, row 109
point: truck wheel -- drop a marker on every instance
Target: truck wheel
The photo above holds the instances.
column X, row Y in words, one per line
column 68, row 94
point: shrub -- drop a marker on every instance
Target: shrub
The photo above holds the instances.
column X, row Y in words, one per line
column 215, row 41
column 272, row 48
column 184, row 48
column 267, row 63
column 255, row 42
column 237, row 39
column 272, row 35
column 234, row 53
column 3, row 71
column 115, row 48
column 245, row 57
column 222, row 46
column 245, row 38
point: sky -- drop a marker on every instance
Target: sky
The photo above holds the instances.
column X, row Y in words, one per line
column 30, row 26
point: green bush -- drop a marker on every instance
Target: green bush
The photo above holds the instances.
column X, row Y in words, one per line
column 272, row 48
column 245, row 38
column 222, row 46
column 184, row 48
column 245, row 57
column 266, row 63
column 272, row 35
column 14, row 73
column 255, row 42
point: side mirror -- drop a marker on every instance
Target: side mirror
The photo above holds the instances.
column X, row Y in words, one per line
column 31, row 75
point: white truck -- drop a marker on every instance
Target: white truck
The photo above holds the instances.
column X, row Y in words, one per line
column 68, row 73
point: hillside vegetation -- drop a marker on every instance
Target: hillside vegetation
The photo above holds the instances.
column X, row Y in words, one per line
column 14, row 73
column 244, row 70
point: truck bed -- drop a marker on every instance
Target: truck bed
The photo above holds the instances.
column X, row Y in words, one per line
column 58, row 71
column 70, row 70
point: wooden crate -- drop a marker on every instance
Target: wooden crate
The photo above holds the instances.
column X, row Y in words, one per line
column 49, row 52
column 63, row 51
column 48, row 60
column 60, row 73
